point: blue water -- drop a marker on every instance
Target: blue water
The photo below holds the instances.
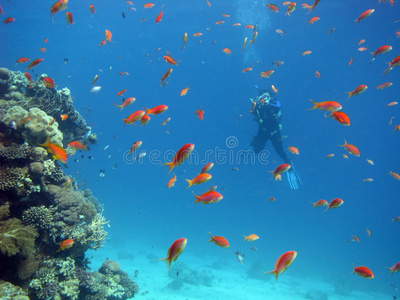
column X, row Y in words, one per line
column 135, row 196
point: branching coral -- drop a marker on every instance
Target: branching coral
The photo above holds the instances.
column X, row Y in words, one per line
column 91, row 235
column 38, row 217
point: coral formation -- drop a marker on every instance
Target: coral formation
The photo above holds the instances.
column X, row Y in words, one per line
column 14, row 236
column 41, row 207
column 17, row 90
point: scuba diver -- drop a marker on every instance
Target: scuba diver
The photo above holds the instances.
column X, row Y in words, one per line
column 267, row 113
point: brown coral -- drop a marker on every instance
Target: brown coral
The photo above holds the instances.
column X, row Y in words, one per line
column 14, row 151
column 16, row 238
column 38, row 217
column 11, row 179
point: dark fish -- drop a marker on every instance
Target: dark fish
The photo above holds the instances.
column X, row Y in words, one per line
column 136, row 273
column 123, row 15
column 66, row 61
column 145, row 293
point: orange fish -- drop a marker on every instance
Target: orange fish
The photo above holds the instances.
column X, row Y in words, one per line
column 392, row 103
column 175, row 250
column 136, row 116
column 317, row 74
column 306, row 52
column 127, row 102
column 251, row 237
column 57, row 151
column 395, row 268
column 279, row 170
column 353, row 239
column 8, row 20
column 160, row 16
column 28, row 76
column 364, row 15
column 341, row 117
column 58, row 6
column 351, row 148
column 70, row 18
column 209, row 197
column 49, row 82
column 283, row 263
column 247, row 70
column 200, row 114
column 227, row 51
column 145, row 119
column 326, row 105
column 76, row 145
column 207, row 167
column 121, row 92
column 208, row 3
column 66, row 244
column 361, row 49
column 156, row 110
column 363, row 271
column 313, row 20
column 201, row 178
column 170, row 60
column 274, row 88
column 320, row 203
column 23, row 60
column 294, row 150
column 219, row 241
column 291, row 8
column 91, row 7
column 273, row 7
column 149, row 5
column 166, row 75
column 102, row 43
column 361, row 88
column 369, row 232
column 384, row 85
column 34, row 63
column 63, row 117
column 46, row 40
column 395, row 175
column 44, row 50
column 394, row 63
column 330, row 155
column 351, row 61
column 172, row 181
column 197, row 34
column 108, row 35
column 135, row 146
column 180, row 156
column 220, row 22
column 236, row 24
column 381, row 50
column 249, row 26
column 184, row 91
column 267, row 73
column 335, row 203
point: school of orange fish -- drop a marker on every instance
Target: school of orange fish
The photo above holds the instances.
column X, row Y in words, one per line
column 332, row 109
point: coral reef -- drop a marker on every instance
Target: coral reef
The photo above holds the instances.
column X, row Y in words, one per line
column 17, row 90
column 14, row 236
column 9, row 291
column 41, row 207
column 181, row 273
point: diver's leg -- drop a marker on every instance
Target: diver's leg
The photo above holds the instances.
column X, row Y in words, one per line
column 259, row 141
column 276, row 139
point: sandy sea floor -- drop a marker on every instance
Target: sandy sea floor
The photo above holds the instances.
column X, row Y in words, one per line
column 191, row 278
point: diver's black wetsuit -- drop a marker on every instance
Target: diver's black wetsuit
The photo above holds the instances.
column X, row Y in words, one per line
column 267, row 113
